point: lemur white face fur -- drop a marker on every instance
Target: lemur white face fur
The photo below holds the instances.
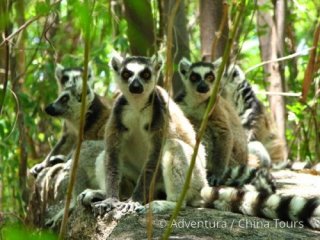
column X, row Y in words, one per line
column 136, row 75
column 198, row 78
column 67, row 77
column 68, row 103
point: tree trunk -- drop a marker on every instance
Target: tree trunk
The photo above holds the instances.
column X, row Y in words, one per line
column 4, row 73
column 180, row 39
column 4, row 50
column 291, row 49
column 16, row 70
column 210, row 19
column 270, row 46
column 141, row 31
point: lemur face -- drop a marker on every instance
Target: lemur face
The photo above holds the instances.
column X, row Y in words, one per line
column 136, row 75
column 197, row 77
column 67, row 77
column 68, row 103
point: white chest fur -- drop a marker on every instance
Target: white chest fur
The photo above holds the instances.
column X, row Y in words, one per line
column 194, row 107
column 136, row 143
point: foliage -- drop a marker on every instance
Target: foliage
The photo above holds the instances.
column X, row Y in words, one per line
column 15, row 232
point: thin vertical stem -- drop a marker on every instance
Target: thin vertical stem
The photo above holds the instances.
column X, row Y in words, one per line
column 169, row 62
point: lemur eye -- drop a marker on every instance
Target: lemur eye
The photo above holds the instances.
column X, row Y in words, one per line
column 194, row 77
column 65, row 99
column 210, row 78
column 235, row 74
column 126, row 75
column 146, row 74
column 64, row 79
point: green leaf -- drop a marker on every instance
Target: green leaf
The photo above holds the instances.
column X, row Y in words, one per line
column 42, row 8
column 16, row 232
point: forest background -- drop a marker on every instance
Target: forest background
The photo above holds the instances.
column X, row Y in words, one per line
column 35, row 35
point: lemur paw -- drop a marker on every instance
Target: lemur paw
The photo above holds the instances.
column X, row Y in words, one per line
column 105, row 206
column 55, row 220
column 142, row 209
column 128, row 207
column 89, row 196
column 156, row 207
column 36, row 169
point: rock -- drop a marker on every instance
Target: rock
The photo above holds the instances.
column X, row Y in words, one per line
column 191, row 224
column 316, row 167
column 300, row 165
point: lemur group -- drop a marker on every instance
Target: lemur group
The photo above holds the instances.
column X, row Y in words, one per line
column 137, row 150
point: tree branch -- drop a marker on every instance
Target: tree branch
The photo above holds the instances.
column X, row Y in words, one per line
column 311, row 65
column 169, row 66
column 297, row 54
column 286, row 94
column 22, row 27
column 218, row 34
column 25, row 25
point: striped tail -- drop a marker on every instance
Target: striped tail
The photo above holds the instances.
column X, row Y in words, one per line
column 248, row 201
column 241, row 175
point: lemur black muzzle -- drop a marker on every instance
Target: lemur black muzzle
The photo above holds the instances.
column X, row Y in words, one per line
column 136, row 87
column 202, row 87
column 51, row 110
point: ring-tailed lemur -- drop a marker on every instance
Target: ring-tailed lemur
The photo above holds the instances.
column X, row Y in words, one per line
column 67, row 106
column 261, row 132
column 225, row 139
column 147, row 128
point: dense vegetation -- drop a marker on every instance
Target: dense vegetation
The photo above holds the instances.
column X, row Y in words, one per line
column 35, row 35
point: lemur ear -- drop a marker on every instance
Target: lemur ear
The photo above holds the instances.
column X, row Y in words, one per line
column 217, row 63
column 116, row 61
column 58, row 71
column 184, row 66
column 237, row 72
column 157, row 62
